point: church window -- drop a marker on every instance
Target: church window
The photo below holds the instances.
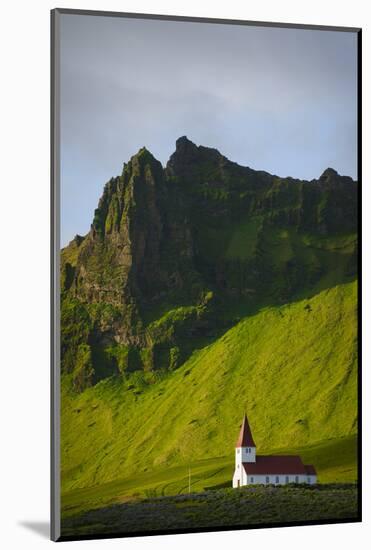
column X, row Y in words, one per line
column 287, row 479
column 277, row 479
column 296, row 479
column 267, row 479
column 251, row 480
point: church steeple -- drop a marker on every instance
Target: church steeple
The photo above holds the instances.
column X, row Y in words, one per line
column 245, row 438
column 245, row 446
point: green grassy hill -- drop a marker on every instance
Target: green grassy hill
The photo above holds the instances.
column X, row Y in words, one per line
column 292, row 368
column 335, row 462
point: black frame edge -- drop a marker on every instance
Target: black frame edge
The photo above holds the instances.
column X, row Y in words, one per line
column 359, row 267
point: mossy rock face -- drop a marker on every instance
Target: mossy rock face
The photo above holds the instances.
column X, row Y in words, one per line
column 176, row 255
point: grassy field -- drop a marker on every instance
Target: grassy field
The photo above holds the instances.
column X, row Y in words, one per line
column 293, row 369
column 335, row 462
column 247, row 506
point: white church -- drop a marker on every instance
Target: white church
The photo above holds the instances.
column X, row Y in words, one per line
column 252, row 469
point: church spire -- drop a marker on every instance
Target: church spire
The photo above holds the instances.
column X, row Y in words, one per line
column 245, row 438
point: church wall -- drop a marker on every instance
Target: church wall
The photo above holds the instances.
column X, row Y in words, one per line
column 278, row 480
column 236, row 478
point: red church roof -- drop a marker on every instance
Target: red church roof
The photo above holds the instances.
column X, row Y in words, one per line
column 266, row 465
column 245, row 438
column 310, row 469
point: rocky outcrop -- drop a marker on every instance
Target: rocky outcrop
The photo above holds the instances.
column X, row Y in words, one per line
column 169, row 246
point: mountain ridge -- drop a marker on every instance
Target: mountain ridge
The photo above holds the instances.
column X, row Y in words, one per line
column 184, row 144
column 192, row 238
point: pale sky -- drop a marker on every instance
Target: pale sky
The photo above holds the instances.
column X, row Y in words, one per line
column 280, row 100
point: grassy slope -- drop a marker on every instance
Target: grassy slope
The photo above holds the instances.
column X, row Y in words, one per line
column 292, row 368
column 335, row 462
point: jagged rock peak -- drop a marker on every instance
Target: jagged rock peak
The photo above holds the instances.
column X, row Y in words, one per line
column 140, row 161
column 144, row 155
column 186, row 146
column 329, row 173
column 188, row 156
column 184, row 143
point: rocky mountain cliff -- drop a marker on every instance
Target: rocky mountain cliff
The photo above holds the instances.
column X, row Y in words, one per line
column 177, row 255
